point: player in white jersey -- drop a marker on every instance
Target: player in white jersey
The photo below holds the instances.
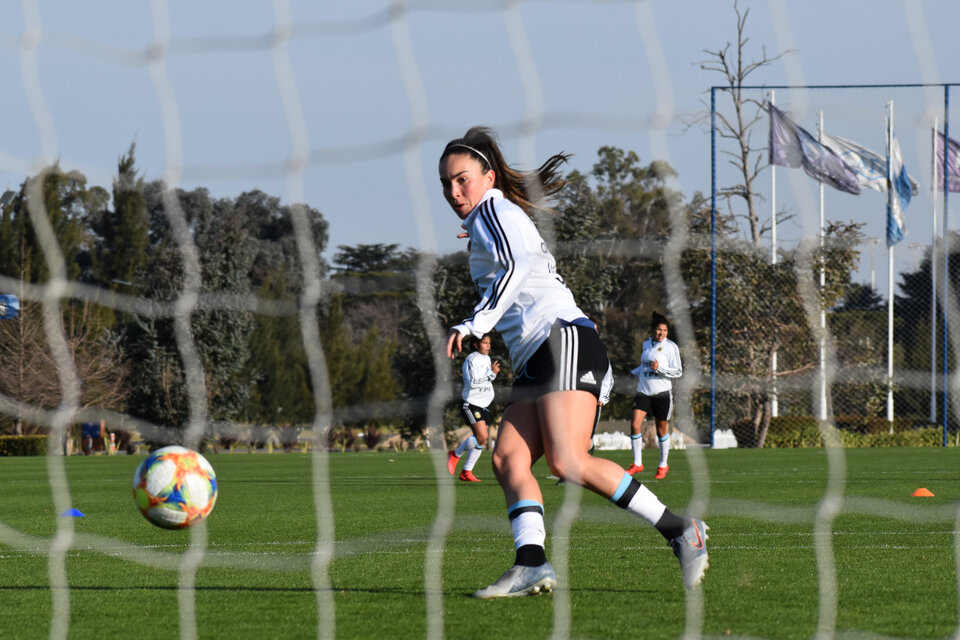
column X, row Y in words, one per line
column 659, row 364
column 558, row 359
column 478, row 376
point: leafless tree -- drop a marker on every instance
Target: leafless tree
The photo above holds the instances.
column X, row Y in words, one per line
column 31, row 376
column 748, row 159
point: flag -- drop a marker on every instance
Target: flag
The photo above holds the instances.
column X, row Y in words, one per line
column 871, row 171
column 9, row 306
column 792, row 146
column 953, row 164
column 870, row 167
column 903, row 188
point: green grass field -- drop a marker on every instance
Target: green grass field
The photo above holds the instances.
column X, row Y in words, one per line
column 893, row 555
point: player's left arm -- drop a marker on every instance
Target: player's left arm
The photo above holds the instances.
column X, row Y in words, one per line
column 671, row 367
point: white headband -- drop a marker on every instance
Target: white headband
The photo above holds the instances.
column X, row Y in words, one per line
column 466, row 146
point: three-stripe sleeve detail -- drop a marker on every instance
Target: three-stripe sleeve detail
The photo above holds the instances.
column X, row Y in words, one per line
column 488, row 216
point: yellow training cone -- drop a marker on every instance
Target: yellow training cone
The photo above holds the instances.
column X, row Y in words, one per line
column 923, row 493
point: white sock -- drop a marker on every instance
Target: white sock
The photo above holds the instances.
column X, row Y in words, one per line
column 470, row 442
column 472, row 456
column 642, row 503
column 664, row 449
column 636, row 443
column 526, row 522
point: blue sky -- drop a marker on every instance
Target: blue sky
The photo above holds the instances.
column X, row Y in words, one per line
column 228, row 100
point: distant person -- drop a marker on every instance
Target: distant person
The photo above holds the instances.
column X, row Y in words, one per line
column 659, row 364
column 90, row 434
column 478, row 376
column 558, row 358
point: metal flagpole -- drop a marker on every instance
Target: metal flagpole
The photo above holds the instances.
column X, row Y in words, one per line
column 823, row 312
column 889, row 270
column 774, row 397
column 933, row 279
column 713, row 264
column 945, row 227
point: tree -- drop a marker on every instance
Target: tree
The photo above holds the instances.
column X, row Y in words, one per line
column 63, row 201
column 912, row 326
column 30, row 374
column 746, row 158
column 222, row 336
column 121, row 245
column 760, row 311
column 611, row 232
column 278, row 364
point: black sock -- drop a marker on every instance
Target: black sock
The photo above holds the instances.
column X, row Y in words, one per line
column 531, row 555
column 670, row 525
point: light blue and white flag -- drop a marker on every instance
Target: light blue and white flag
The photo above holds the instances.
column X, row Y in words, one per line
column 871, row 171
column 870, row 167
column 903, row 189
column 9, row 306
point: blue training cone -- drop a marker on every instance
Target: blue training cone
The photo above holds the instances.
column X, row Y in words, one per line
column 73, row 513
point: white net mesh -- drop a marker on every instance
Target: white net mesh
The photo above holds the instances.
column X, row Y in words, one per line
column 346, row 107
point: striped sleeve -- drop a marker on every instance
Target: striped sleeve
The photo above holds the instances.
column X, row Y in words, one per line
column 672, row 367
column 479, row 373
column 504, row 239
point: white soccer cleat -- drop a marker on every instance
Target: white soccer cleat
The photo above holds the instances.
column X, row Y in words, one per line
column 521, row 581
column 691, row 550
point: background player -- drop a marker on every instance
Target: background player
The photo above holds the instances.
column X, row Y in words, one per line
column 659, row 363
column 478, row 376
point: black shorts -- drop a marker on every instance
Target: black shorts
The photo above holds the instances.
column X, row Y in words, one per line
column 659, row 406
column 572, row 358
column 474, row 414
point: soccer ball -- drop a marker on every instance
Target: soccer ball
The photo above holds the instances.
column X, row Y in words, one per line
column 175, row 487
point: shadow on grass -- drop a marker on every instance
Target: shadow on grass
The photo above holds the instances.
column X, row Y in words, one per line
column 379, row 590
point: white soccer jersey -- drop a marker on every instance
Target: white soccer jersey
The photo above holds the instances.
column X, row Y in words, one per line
column 667, row 355
column 478, row 379
column 522, row 295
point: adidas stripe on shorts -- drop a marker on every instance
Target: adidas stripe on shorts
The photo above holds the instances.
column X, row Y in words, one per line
column 572, row 358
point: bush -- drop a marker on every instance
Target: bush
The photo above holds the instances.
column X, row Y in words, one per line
column 853, row 431
column 23, row 445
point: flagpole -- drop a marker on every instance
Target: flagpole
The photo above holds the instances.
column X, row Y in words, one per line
column 774, row 397
column 933, row 278
column 889, row 270
column 945, row 232
column 823, row 314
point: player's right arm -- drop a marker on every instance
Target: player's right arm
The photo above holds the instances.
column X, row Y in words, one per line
column 501, row 235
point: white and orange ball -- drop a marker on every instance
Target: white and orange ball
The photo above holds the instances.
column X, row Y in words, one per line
column 175, row 487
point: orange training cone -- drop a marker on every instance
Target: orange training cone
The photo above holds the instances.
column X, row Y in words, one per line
column 923, row 492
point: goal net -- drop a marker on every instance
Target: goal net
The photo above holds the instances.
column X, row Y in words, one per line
column 330, row 120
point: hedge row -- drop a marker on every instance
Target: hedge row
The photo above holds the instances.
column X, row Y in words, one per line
column 23, row 445
column 852, row 431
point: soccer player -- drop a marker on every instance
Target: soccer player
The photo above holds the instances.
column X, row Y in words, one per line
column 659, row 363
column 558, row 358
column 478, row 377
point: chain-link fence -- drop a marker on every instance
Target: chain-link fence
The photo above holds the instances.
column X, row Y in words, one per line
column 801, row 316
